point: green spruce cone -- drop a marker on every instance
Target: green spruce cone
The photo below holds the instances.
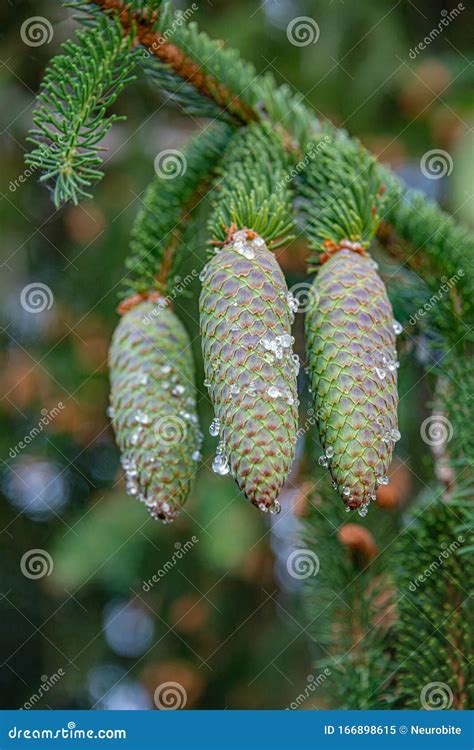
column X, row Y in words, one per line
column 250, row 370
column 353, row 364
column 153, row 407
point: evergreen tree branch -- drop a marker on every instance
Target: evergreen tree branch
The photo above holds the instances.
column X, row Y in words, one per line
column 434, row 632
column 343, row 202
column 189, row 54
column 204, row 76
column 208, row 72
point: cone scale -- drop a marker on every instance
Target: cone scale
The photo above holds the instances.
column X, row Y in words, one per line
column 153, row 407
column 246, row 316
column 352, row 362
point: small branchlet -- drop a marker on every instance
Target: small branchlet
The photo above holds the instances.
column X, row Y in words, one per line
column 71, row 119
column 252, row 190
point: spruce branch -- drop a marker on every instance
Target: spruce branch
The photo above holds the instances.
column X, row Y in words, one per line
column 205, row 77
column 158, row 246
column 216, row 73
column 434, row 632
column 79, row 88
column 343, row 203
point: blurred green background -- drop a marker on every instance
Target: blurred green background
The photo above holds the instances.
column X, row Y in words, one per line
column 225, row 619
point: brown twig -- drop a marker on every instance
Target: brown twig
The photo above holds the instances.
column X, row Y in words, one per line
column 136, row 299
column 141, row 24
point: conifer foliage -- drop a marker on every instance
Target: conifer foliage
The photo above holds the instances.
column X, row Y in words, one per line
column 267, row 165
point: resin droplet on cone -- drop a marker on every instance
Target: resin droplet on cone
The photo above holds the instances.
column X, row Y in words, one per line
column 249, row 366
column 353, row 370
column 153, row 407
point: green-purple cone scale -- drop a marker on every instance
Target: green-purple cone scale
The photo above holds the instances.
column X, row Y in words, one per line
column 153, row 407
column 352, row 362
column 250, row 368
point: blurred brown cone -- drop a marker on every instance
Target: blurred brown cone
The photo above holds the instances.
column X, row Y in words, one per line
column 84, row 223
column 395, row 494
column 422, row 90
column 189, row 614
column 174, row 684
column 358, row 540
